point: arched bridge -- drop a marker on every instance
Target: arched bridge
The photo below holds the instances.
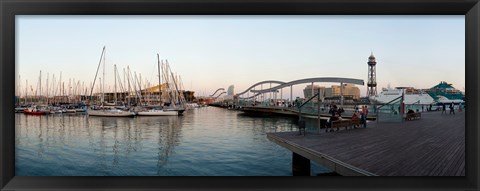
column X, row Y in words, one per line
column 220, row 94
column 310, row 80
column 296, row 82
column 260, row 83
column 217, row 91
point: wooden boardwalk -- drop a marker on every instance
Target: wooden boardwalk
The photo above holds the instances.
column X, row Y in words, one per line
column 431, row 146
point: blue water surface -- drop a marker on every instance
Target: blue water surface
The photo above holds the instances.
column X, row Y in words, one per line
column 205, row 141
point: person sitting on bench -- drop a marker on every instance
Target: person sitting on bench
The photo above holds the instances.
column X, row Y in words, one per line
column 355, row 120
column 330, row 121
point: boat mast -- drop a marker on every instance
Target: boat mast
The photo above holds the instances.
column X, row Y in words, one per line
column 60, row 88
column 167, row 82
column 159, row 82
column 26, row 91
column 95, row 79
column 140, row 87
column 53, row 88
column 129, row 85
column 63, row 91
column 69, row 93
column 18, row 90
column 115, row 76
column 137, row 83
column 72, row 91
column 40, row 91
column 174, row 82
column 103, row 85
column 125, row 87
column 48, row 74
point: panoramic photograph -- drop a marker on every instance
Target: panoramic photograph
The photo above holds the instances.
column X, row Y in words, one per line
column 173, row 95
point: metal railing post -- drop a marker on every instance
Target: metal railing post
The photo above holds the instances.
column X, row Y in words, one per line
column 318, row 109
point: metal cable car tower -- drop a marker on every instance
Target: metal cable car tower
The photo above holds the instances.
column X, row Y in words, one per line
column 372, row 76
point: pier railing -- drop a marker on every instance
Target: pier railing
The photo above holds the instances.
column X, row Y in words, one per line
column 391, row 111
column 302, row 122
column 416, row 106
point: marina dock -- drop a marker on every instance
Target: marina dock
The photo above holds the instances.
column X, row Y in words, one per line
column 433, row 145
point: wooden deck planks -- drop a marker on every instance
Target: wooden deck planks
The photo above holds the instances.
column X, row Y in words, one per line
column 431, row 146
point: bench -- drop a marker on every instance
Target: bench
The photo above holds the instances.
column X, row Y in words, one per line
column 355, row 122
column 413, row 116
column 341, row 123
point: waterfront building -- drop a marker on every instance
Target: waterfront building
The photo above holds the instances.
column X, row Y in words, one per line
column 231, row 90
column 310, row 90
column 205, row 100
column 349, row 91
column 189, row 96
column 148, row 95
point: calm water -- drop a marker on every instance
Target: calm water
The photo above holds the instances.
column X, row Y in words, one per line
column 204, row 142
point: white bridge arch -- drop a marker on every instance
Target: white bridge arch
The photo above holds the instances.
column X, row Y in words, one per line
column 300, row 81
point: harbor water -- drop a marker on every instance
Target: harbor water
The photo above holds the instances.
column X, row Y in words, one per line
column 205, row 141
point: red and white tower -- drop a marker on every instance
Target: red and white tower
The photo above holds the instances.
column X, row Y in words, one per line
column 372, row 76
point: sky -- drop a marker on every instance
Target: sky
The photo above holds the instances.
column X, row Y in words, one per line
column 211, row 52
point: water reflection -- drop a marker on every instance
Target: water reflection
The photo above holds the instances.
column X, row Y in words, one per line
column 205, row 141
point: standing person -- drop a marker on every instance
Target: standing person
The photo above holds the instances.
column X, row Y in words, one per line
column 451, row 109
column 364, row 116
column 361, row 116
column 444, row 108
column 362, row 113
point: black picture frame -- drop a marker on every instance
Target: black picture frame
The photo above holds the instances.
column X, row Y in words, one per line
column 10, row 8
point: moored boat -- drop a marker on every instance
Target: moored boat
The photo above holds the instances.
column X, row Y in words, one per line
column 445, row 91
column 81, row 110
column 388, row 95
column 34, row 111
column 157, row 112
column 106, row 111
column 20, row 109
column 71, row 111
column 109, row 112
column 179, row 110
column 192, row 105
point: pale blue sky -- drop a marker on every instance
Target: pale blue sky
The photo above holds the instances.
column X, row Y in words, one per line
column 211, row 52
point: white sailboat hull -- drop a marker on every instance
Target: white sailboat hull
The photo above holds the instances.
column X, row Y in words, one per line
column 157, row 113
column 110, row 113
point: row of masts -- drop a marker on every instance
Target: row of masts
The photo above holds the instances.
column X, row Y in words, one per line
column 129, row 90
column 53, row 92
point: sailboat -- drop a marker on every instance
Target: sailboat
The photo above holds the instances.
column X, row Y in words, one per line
column 157, row 111
column 36, row 110
column 176, row 98
column 102, row 110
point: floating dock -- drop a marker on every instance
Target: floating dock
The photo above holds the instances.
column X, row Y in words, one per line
column 433, row 145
